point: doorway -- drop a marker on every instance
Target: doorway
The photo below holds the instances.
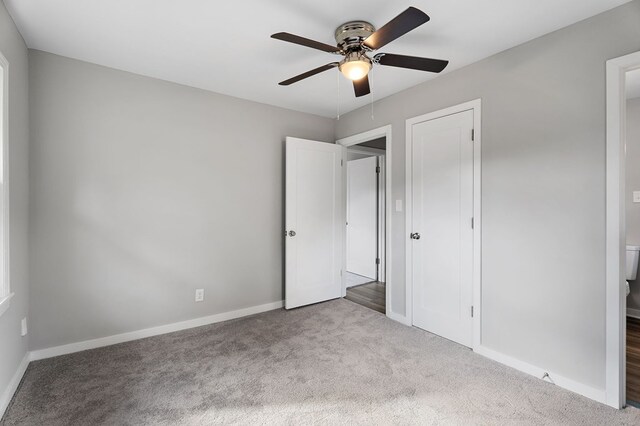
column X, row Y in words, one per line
column 443, row 222
column 367, row 219
column 632, row 234
column 622, row 330
column 365, row 282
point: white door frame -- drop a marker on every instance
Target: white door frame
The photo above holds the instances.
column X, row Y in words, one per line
column 367, row 150
column 474, row 105
column 5, row 284
column 382, row 196
column 615, row 228
column 384, row 131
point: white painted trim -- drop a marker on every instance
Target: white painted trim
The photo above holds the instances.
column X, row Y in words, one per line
column 149, row 332
column 369, row 135
column 39, row 354
column 382, row 219
column 564, row 382
column 633, row 313
column 408, row 224
column 476, row 106
column 384, row 131
column 11, row 388
column 615, row 306
column 382, row 208
column 477, row 215
column 367, row 150
column 5, row 285
column 5, row 302
column 343, row 271
column 403, row 319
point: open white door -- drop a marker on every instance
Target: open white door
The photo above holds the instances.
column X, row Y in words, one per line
column 314, row 222
column 362, row 217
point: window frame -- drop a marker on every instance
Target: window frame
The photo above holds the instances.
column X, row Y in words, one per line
column 5, row 284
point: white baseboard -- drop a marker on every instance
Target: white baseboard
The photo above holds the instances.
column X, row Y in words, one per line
column 5, row 399
column 402, row 319
column 571, row 385
column 148, row 332
column 634, row 313
column 8, row 393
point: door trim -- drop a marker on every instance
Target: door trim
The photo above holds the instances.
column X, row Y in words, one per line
column 384, row 131
column 379, row 196
column 381, row 206
column 382, row 196
column 475, row 106
column 5, row 280
column 616, row 299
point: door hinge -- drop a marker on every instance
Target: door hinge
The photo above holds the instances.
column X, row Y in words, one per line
column 473, row 135
column 377, row 169
column 377, row 260
column 341, row 163
column 472, row 223
column 472, row 312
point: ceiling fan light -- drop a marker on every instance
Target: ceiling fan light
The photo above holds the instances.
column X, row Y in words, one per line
column 355, row 68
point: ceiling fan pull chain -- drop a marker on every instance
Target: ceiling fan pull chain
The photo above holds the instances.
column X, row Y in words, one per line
column 372, row 117
column 371, row 94
column 338, row 98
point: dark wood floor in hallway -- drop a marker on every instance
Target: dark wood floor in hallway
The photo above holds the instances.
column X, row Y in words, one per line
column 372, row 295
column 633, row 360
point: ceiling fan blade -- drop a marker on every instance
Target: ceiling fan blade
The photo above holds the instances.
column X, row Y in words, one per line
column 291, row 38
column 412, row 62
column 361, row 87
column 398, row 26
column 308, row 74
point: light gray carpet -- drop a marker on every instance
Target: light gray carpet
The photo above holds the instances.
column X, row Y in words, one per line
column 332, row 363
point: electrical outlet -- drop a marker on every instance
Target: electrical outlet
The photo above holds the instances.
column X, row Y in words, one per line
column 199, row 294
column 23, row 326
column 636, row 196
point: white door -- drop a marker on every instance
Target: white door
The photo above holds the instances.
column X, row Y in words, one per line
column 314, row 222
column 362, row 211
column 442, row 211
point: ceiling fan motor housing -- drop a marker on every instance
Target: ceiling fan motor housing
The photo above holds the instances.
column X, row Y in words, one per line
column 350, row 35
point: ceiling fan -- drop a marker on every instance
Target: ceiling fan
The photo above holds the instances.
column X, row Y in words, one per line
column 356, row 39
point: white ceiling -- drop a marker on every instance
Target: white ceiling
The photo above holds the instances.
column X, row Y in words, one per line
column 633, row 84
column 224, row 46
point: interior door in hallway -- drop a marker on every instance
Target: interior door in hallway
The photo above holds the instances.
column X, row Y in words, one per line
column 314, row 222
column 442, row 234
column 362, row 217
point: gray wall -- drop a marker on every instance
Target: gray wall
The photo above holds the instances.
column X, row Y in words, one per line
column 633, row 184
column 144, row 190
column 13, row 347
column 543, row 193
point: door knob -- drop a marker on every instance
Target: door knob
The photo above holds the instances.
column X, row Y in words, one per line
column 415, row 236
column 292, row 233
